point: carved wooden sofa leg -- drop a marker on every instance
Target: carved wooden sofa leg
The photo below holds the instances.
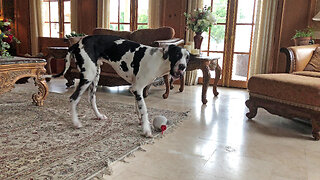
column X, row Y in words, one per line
column 315, row 121
column 253, row 109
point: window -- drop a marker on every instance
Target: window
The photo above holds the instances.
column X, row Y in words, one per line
column 56, row 18
column 231, row 38
column 129, row 15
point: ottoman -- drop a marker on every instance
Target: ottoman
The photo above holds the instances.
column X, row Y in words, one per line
column 294, row 95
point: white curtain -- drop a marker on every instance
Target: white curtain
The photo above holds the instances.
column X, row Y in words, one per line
column 263, row 37
column 191, row 77
column 155, row 13
column 35, row 25
column 103, row 14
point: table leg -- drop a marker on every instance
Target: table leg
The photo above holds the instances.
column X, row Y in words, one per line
column 181, row 83
column 216, row 80
column 39, row 97
column 206, row 78
column 48, row 67
column 166, row 82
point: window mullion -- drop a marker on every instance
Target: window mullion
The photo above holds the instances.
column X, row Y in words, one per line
column 134, row 15
column 50, row 17
column 61, row 18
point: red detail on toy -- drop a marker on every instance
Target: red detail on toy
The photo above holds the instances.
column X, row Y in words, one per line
column 163, row 128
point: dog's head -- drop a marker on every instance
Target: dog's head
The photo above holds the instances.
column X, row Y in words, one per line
column 178, row 58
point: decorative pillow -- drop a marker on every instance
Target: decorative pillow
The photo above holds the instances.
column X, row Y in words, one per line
column 314, row 63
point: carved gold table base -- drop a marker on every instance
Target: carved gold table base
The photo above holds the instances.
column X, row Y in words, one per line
column 11, row 70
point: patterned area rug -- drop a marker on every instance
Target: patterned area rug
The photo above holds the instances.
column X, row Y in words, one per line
column 41, row 143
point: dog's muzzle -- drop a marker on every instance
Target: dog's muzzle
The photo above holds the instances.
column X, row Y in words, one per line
column 179, row 73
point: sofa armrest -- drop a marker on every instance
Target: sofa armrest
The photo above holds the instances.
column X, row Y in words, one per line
column 289, row 59
column 174, row 41
column 298, row 56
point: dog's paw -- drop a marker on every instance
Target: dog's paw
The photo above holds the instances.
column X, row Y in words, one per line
column 102, row 117
column 148, row 134
column 77, row 125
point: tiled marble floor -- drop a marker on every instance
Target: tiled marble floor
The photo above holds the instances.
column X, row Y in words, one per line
column 217, row 141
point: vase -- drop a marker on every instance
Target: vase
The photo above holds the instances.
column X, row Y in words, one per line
column 300, row 41
column 197, row 40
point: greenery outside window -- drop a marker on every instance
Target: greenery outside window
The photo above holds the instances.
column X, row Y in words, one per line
column 129, row 15
column 56, row 18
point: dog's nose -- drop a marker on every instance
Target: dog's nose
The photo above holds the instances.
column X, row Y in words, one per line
column 181, row 67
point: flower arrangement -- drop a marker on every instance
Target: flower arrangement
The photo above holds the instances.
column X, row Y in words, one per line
column 74, row 34
column 6, row 37
column 200, row 20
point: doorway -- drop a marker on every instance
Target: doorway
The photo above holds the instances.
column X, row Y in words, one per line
column 231, row 39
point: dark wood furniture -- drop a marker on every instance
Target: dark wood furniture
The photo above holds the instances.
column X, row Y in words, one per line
column 205, row 63
column 15, row 68
column 295, row 94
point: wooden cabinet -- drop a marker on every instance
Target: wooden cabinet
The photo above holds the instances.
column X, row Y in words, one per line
column 289, row 19
column 173, row 16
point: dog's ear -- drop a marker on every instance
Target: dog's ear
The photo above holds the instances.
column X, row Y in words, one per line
column 165, row 51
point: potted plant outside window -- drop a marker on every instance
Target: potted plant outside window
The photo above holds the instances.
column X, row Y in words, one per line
column 303, row 37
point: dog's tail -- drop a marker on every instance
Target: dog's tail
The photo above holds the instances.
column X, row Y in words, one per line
column 67, row 60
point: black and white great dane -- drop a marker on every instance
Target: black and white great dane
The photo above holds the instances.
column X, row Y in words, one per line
column 138, row 64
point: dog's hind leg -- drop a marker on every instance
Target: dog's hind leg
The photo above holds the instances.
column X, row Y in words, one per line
column 75, row 98
column 143, row 111
column 92, row 95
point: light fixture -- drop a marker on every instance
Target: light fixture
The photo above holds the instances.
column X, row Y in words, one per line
column 316, row 17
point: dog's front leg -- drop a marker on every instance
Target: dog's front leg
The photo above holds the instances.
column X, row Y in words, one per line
column 143, row 111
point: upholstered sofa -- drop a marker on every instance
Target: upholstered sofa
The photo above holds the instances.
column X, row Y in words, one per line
column 295, row 94
column 151, row 37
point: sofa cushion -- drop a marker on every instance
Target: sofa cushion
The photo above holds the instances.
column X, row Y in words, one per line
column 148, row 36
column 308, row 73
column 293, row 88
column 102, row 31
column 314, row 63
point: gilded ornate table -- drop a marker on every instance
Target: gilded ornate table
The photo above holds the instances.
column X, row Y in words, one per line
column 15, row 68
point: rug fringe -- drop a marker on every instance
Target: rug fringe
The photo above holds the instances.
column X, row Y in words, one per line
column 108, row 170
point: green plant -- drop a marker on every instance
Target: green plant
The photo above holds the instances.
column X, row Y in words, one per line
column 200, row 20
column 307, row 32
column 6, row 37
column 74, row 34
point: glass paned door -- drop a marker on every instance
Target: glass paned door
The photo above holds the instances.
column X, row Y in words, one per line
column 231, row 39
column 214, row 40
column 244, row 29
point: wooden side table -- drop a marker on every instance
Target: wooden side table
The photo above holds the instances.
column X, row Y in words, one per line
column 55, row 53
column 205, row 63
column 15, row 68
